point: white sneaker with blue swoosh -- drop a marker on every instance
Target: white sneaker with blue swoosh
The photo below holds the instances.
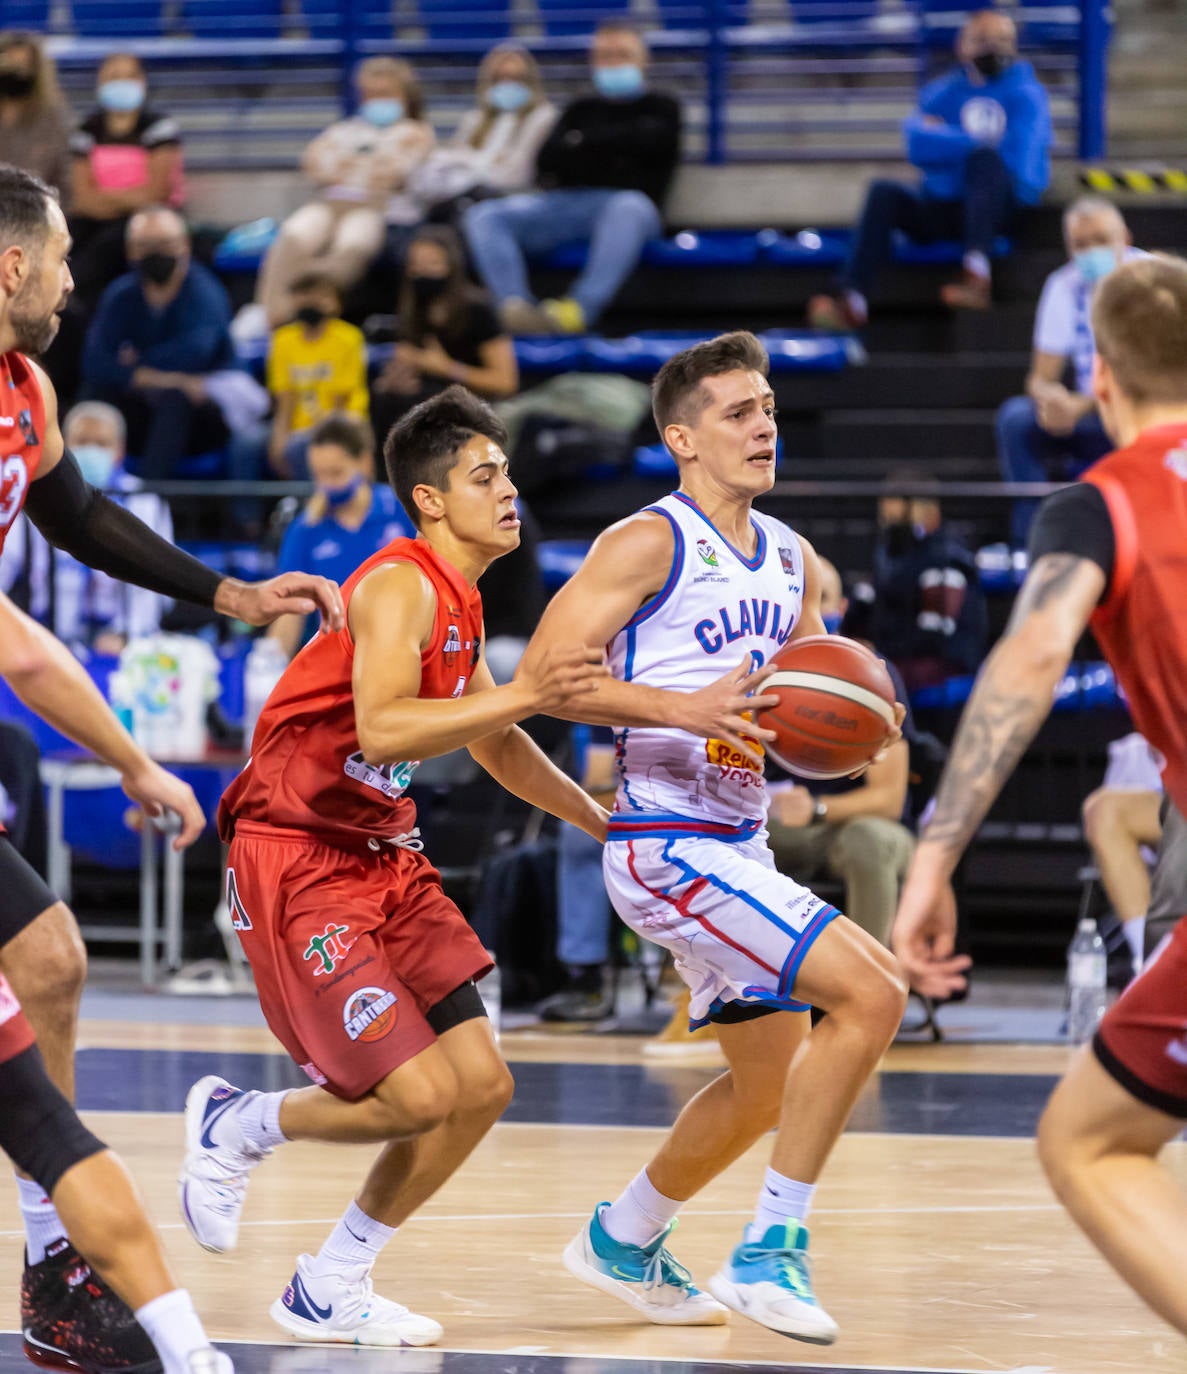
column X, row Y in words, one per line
column 213, row 1183
column 344, row 1309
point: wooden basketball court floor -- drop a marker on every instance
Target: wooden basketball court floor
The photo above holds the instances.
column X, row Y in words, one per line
column 937, row 1244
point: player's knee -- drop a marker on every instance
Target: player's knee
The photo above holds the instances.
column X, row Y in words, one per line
column 53, row 965
column 417, row 1101
column 1097, row 813
column 881, row 994
column 492, row 1094
column 1063, row 1152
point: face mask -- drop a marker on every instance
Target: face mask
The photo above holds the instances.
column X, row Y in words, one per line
column 618, row 83
column 509, row 95
column 339, row 496
column 832, row 622
column 1096, row 263
column 157, row 267
column 427, row 289
column 97, row 463
column 121, row 97
column 16, row 85
column 310, row 315
column 382, row 113
column 991, row 65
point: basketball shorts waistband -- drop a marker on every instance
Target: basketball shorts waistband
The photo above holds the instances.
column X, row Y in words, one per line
column 667, row 825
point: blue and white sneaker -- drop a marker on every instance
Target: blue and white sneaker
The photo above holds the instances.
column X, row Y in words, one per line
column 344, row 1310
column 213, row 1183
column 647, row 1278
column 770, row 1282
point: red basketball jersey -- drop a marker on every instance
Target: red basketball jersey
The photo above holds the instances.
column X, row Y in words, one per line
column 306, row 770
column 1142, row 624
column 22, row 431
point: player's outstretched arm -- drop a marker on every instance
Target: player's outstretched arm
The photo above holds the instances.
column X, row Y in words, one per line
column 51, row 681
column 391, row 621
column 1011, row 700
column 84, row 522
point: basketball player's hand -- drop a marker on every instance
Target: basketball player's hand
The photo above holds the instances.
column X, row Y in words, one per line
column 156, row 791
column 292, row 593
column 893, row 735
column 722, row 710
column 560, row 676
column 924, row 935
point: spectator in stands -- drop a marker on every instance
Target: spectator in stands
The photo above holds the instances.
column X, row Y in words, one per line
column 159, row 335
column 1053, row 432
column 90, row 611
column 348, row 518
column 34, row 118
column 448, row 332
column 22, row 797
column 493, row 152
column 605, row 170
column 316, row 366
column 981, row 137
column 929, row 610
column 361, row 167
column 126, row 156
column 850, row 828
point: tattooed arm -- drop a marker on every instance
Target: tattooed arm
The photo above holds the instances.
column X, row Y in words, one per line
column 1010, row 701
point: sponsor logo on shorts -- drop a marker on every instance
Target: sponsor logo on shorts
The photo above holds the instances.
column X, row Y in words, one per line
column 327, row 949
column 342, row 975
column 369, row 1014
column 707, row 553
column 314, row 1074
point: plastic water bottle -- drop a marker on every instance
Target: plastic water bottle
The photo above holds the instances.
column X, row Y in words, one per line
column 490, row 989
column 1087, row 972
column 262, row 668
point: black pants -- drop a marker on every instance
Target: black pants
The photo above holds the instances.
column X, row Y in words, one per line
column 165, row 426
column 97, row 257
column 20, row 774
column 986, row 210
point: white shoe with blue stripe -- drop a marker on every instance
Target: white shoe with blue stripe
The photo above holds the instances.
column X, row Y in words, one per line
column 213, row 1184
column 343, row 1309
column 770, row 1282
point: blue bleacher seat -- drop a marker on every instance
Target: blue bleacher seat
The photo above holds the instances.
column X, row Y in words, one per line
column 559, row 559
column 195, row 469
column 118, row 18
column 233, row 18
column 792, row 350
column 808, row 248
column 546, row 353
column 1084, row 687
column 694, row 14
column 561, row 18
column 25, row 14
column 326, row 19
column 449, row 20
column 242, row 249
column 943, row 253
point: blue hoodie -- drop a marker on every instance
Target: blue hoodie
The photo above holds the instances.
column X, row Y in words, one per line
column 1010, row 114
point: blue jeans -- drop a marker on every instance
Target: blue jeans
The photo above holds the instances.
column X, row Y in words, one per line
column 502, row 233
column 583, row 907
column 1027, row 453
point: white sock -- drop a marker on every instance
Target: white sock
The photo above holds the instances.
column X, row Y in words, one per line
column 257, row 1121
column 43, row 1226
column 781, row 1200
column 354, row 1244
column 174, row 1328
column 977, row 263
column 640, row 1214
column 1134, row 931
column 858, row 304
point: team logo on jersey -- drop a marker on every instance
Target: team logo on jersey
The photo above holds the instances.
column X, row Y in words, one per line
column 28, row 433
column 707, row 552
column 328, row 948
column 391, row 779
column 1176, row 460
column 369, row 1014
column 787, row 558
column 453, row 641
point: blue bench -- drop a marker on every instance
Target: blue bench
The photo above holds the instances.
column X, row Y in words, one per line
column 559, row 559
column 1084, row 687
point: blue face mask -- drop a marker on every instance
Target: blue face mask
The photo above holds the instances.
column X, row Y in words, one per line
column 832, row 622
column 339, row 496
column 509, row 95
column 97, row 463
column 1094, row 264
column 618, row 83
column 383, row 113
column 121, row 97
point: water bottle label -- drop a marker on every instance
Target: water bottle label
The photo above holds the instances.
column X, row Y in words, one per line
column 1088, row 970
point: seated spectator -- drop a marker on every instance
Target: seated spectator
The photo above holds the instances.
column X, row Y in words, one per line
column 361, row 168
column 447, row 332
column 1054, row 432
column 929, row 611
column 160, row 332
column 88, row 610
column 851, row 828
column 982, row 138
column 493, row 151
column 34, row 118
column 348, row 518
column 316, row 366
column 605, row 169
column 126, row 156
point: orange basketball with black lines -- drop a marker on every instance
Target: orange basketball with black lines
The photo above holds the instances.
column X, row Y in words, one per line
column 836, row 706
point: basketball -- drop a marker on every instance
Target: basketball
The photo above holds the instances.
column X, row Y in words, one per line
column 836, row 707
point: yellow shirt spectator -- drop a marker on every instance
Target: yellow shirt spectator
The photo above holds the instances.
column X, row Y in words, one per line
column 325, row 373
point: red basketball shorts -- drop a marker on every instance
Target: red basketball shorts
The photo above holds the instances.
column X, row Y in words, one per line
column 1142, row 1040
column 349, row 950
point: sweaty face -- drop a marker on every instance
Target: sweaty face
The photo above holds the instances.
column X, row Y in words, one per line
column 480, row 502
column 37, row 305
column 734, row 437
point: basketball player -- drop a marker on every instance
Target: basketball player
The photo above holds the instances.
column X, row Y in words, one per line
column 697, row 579
column 44, row 960
column 1107, row 552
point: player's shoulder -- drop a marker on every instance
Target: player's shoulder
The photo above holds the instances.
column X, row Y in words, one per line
column 639, row 538
column 395, row 584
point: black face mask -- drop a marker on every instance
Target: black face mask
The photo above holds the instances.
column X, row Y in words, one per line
column 991, row 65
column 16, row 85
column 310, row 315
column 157, row 267
column 425, row 290
column 899, row 538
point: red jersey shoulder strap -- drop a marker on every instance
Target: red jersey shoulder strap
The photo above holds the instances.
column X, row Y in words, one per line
column 1125, row 535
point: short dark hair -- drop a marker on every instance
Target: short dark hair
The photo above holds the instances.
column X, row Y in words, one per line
column 24, row 208
column 1139, row 323
column 423, row 445
column 678, row 395
column 316, row 281
column 348, row 432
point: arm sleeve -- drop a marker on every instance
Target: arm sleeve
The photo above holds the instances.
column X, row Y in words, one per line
column 1075, row 520
column 73, row 516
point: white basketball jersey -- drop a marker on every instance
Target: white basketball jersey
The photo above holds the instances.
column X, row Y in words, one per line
column 715, row 608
